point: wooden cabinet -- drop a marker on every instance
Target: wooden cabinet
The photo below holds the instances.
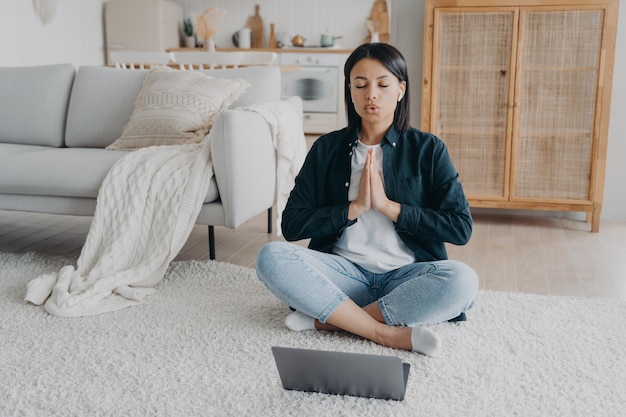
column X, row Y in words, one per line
column 520, row 92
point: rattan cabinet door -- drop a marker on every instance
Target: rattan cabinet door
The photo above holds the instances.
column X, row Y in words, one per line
column 557, row 92
column 520, row 92
column 472, row 84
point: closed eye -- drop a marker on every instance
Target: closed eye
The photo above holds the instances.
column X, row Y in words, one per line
column 363, row 86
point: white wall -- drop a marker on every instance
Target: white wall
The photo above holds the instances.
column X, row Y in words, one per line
column 614, row 204
column 75, row 35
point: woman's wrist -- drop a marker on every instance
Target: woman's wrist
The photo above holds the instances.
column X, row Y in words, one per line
column 392, row 210
column 355, row 210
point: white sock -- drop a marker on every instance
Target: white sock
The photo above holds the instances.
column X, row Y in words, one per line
column 425, row 341
column 298, row 322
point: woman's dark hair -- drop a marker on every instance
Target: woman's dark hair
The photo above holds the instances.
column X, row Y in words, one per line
column 391, row 59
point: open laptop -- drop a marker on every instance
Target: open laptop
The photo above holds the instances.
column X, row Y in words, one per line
column 342, row 373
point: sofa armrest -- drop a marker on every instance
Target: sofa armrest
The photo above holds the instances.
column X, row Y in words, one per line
column 244, row 162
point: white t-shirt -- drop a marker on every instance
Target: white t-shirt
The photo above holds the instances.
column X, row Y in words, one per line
column 371, row 242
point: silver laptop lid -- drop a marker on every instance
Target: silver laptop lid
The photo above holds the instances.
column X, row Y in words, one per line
column 342, row 373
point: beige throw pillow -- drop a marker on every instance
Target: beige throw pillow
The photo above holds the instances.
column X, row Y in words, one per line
column 176, row 107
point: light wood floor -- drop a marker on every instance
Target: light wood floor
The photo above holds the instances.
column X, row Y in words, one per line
column 510, row 252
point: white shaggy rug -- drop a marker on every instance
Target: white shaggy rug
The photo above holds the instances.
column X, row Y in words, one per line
column 201, row 346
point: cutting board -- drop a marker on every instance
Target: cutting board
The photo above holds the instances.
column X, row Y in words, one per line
column 380, row 16
column 255, row 23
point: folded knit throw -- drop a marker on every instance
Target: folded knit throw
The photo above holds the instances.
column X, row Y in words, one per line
column 146, row 209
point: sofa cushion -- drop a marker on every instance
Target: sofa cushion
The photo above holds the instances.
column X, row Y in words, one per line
column 176, row 107
column 40, row 93
column 101, row 103
column 8, row 150
column 73, row 172
column 58, row 172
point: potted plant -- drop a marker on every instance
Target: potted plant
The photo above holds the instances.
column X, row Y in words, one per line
column 189, row 33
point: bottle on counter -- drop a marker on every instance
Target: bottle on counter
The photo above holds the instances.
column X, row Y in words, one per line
column 272, row 43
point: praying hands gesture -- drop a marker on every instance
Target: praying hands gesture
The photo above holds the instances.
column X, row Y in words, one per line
column 372, row 193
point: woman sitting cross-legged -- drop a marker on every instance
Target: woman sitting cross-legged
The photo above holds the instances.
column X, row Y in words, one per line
column 378, row 200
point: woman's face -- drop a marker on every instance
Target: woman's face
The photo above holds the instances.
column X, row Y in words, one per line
column 375, row 91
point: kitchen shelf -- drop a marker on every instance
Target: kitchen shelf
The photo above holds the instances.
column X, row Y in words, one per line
column 304, row 49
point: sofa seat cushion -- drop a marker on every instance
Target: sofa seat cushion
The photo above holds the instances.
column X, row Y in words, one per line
column 64, row 172
column 8, row 150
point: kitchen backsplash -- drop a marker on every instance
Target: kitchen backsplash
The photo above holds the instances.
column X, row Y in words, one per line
column 309, row 18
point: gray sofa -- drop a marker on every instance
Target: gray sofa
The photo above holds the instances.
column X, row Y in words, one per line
column 55, row 122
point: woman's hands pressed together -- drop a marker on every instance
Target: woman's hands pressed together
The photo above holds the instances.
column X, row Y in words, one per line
column 372, row 193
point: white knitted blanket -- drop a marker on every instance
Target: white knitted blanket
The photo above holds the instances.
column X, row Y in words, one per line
column 147, row 207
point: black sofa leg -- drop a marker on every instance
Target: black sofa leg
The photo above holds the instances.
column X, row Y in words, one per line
column 211, row 243
column 212, row 234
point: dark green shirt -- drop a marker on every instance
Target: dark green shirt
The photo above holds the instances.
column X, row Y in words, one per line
column 419, row 175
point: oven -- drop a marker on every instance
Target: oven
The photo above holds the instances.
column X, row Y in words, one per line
column 314, row 77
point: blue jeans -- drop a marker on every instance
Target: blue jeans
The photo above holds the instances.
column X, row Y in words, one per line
column 315, row 283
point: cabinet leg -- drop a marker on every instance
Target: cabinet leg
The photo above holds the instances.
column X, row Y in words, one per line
column 595, row 221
